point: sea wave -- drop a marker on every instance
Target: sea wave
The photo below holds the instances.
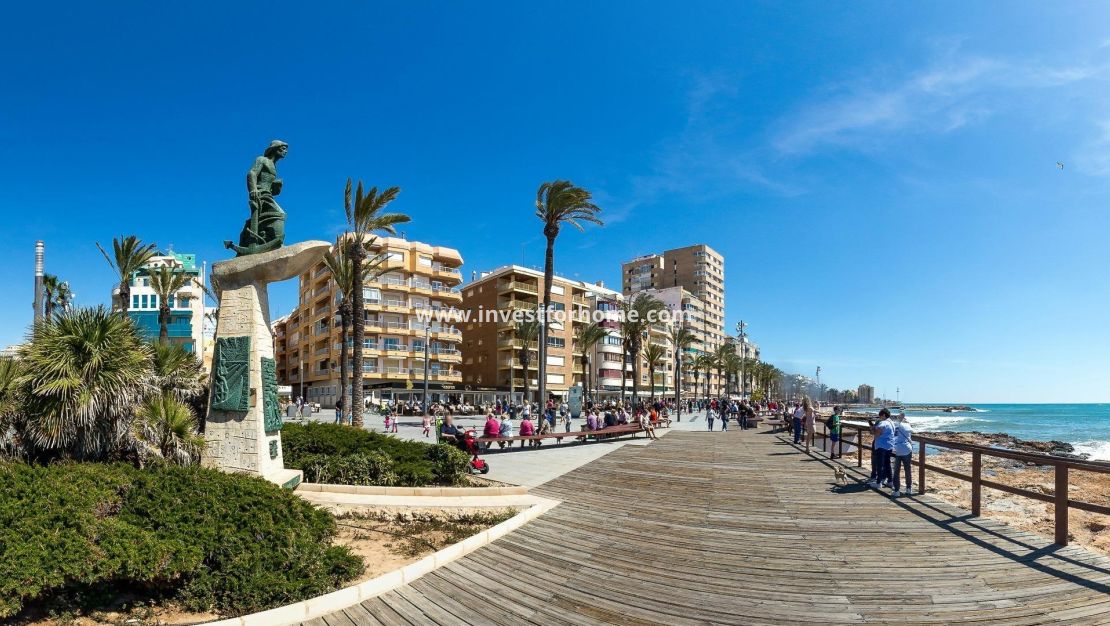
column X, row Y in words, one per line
column 933, row 422
column 1099, row 450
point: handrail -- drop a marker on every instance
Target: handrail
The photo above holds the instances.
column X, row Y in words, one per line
column 1061, row 466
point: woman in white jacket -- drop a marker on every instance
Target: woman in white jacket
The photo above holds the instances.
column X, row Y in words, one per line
column 903, row 454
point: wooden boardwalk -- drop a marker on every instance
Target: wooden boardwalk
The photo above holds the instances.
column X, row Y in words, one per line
column 742, row 528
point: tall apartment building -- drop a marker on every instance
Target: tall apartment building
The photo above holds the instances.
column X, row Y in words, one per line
column 186, row 326
column 699, row 270
column 491, row 347
column 414, row 301
column 678, row 300
column 865, row 394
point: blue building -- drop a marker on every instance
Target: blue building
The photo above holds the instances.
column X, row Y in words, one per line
column 186, row 306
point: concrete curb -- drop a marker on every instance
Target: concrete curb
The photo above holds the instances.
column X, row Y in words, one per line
column 338, row 600
column 413, row 491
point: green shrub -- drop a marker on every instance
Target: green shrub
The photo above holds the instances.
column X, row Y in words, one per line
column 219, row 541
column 319, row 450
column 448, row 463
column 359, row 468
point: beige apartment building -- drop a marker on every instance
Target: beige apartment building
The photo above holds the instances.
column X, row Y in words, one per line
column 492, row 351
column 685, row 306
column 698, row 270
column 413, row 303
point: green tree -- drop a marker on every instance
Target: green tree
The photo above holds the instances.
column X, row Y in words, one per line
column 82, row 374
column 176, row 371
column 559, row 202
column 166, row 428
column 365, row 216
column 339, row 263
column 681, row 338
column 130, row 255
column 721, row 362
column 526, row 331
column 165, row 281
column 56, row 295
column 587, row 336
column 705, row 362
column 638, row 318
column 654, row 355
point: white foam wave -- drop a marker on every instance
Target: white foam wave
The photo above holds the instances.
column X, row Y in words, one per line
column 1099, row 450
column 933, row 422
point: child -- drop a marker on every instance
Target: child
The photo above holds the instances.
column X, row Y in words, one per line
column 427, row 425
column 903, row 453
column 833, row 424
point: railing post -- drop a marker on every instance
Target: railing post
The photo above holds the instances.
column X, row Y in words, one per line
column 976, row 482
column 921, row 466
column 1061, row 504
column 859, row 447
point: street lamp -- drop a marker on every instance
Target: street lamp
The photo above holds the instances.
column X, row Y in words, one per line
column 427, row 332
column 740, row 326
column 678, row 374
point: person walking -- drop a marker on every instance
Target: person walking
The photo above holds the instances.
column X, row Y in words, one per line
column 339, row 411
column 709, row 417
column 427, row 423
column 810, row 416
column 799, row 415
column 903, row 454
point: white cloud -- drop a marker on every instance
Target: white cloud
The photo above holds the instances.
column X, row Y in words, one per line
column 956, row 91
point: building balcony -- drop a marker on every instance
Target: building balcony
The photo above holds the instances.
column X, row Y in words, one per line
column 515, row 285
column 516, row 303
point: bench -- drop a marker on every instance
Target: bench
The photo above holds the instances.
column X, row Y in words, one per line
column 611, row 431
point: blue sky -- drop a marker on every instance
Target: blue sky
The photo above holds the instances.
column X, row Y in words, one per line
column 880, row 177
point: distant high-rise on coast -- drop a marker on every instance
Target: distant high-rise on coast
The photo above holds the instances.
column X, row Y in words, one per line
column 865, row 394
column 699, row 270
column 420, row 283
column 186, row 325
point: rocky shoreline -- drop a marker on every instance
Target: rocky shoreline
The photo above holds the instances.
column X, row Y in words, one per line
column 1009, row 442
column 1090, row 530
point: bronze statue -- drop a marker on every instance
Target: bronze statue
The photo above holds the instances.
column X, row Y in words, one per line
column 265, row 228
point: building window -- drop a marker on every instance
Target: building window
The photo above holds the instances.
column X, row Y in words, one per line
column 425, row 261
column 134, row 301
column 556, row 342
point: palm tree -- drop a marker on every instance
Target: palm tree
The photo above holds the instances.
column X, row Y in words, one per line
column 526, row 331
column 365, row 216
column 559, row 202
column 720, row 362
column 338, row 262
column 733, row 363
column 680, row 338
column 165, row 282
column 588, row 336
column 634, row 326
column 50, row 286
column 176, row 371
column 166, row 428
column 82, row 374
column 654, row 355
column 706, row 362
column 130, row 255
column 9, row 406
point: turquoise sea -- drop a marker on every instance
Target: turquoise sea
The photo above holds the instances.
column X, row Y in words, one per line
column 1085, row 426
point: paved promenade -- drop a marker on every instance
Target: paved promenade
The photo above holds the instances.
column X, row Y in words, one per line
column 740, row 528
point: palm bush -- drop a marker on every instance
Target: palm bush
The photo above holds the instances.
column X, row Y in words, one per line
column 177, row 371
column 83, row 373
column 166, row 428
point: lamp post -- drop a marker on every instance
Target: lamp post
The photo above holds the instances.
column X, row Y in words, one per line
column 427, row 333
column 740, row 326
column 678, row 377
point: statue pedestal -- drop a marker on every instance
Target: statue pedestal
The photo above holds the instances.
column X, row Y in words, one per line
column 242, row 430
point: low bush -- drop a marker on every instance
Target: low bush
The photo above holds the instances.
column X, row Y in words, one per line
column 213, row 541
column 321, row 451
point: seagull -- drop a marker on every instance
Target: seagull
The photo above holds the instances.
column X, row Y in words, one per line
column 1059, row 165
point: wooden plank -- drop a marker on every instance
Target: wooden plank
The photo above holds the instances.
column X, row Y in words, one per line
column 743, row 527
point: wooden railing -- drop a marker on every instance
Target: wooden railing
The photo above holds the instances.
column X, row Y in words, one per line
column 1060, row 498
